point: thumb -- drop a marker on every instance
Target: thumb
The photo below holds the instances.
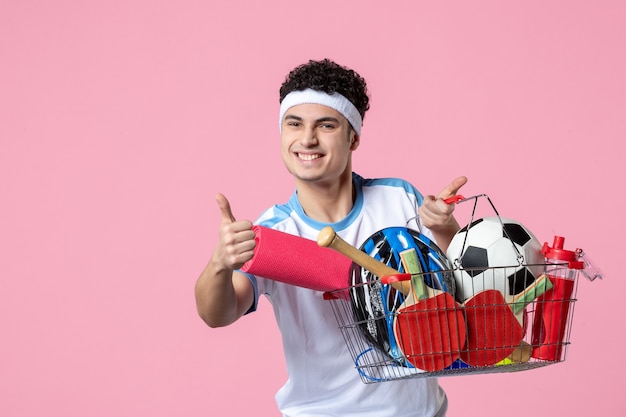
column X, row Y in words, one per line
column 452, row 188
column 224, row 205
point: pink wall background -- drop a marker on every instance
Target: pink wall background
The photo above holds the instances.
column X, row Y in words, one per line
column 120, row 120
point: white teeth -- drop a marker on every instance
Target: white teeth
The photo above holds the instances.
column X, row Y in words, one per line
column 308, row 157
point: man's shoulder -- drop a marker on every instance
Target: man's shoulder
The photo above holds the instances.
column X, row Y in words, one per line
column 275, row 216
column 383, row 184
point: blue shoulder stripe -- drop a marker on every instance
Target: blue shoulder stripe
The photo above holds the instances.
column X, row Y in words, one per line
column 395, row 182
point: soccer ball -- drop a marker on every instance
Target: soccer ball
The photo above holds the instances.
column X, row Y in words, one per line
column 494, row 253
column 374, row 303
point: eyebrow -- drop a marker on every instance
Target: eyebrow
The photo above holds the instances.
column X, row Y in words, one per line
column 320, row 120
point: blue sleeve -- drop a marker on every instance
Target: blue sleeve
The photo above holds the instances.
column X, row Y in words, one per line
column 255, row 303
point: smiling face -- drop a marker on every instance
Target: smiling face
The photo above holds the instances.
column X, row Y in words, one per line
column 317, row 144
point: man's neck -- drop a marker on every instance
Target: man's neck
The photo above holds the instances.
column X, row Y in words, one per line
column 327, row 203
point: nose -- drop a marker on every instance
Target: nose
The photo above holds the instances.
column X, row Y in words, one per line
column 309, row 137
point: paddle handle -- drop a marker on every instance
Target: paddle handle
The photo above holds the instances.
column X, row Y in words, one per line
column 328, row 238
column 522, row 353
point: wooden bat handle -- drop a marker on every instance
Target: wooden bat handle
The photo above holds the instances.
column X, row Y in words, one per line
column 328, row 238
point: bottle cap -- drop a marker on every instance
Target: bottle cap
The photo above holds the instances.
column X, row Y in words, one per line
column 557, row 252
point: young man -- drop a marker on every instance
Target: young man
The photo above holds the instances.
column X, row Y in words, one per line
column 321, row 114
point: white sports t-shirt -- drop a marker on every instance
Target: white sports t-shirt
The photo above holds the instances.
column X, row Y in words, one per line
column 322, row 378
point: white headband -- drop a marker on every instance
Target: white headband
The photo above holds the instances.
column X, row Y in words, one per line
column 335, row 101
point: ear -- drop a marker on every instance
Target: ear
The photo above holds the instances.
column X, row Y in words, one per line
column 355, row 140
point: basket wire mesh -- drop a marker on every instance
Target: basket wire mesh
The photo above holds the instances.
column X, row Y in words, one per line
column 375, row 364
column 536, row 334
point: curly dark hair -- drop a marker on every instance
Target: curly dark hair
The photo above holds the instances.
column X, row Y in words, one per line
column 329, row 77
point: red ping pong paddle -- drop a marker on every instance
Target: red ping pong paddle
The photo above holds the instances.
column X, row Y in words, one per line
column 518, row 303
column 429, row 326
column 493, row 331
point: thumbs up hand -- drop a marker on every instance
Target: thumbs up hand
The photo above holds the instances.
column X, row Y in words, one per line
column 236, row 241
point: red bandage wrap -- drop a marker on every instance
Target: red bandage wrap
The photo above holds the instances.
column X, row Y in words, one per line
column 297, row 261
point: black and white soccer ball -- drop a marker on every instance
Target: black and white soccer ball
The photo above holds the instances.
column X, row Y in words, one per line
column 494, row 253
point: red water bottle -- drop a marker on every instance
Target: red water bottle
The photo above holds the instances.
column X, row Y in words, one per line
column 552, row 309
